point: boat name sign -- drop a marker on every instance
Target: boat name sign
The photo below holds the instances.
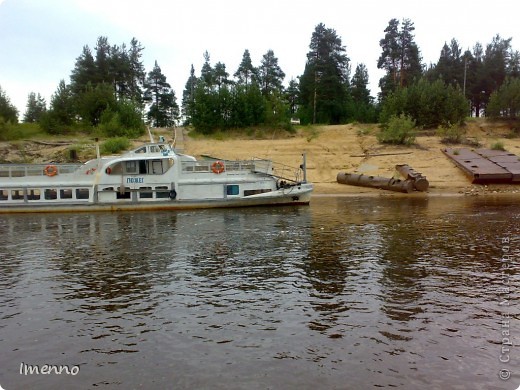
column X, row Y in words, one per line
column 135, row 180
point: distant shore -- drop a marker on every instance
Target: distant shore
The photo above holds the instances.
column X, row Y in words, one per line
column 354, row 149
column 329, row 150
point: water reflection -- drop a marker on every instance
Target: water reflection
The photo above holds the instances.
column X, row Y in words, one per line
column 369, row 292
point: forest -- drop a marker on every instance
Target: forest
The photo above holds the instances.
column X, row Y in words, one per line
column 109, row 90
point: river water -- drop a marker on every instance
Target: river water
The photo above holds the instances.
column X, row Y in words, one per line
column 348, row 293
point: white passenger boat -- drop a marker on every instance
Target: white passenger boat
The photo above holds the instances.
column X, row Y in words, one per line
column 154, row 176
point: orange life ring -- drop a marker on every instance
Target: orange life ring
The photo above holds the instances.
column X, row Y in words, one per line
column 51, row 170
column 217, row 167
column 108, row 170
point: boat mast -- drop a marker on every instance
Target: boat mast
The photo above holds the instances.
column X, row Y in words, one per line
column 304, row 167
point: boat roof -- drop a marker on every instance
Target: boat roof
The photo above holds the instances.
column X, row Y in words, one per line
column 153, row 149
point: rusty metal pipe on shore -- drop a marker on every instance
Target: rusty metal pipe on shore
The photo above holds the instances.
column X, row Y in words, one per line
column 420, row 182
column 383, row 183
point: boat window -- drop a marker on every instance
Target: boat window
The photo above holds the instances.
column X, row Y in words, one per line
column 154, row 149
column 3, row 194
column 162, row 192
column 82, row 193
column 66, row 193
column 141, row 150
column 157, row 167
column 50, row 194
column 131, row 167
column 33, row 194
column 123, row 193
column 142, row 167
column 17, row 194
column 108, row 189
column 255, row 192
column 232, row 189
column 116, row 169
column 145, row 192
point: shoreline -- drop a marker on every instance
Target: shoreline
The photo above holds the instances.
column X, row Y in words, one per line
column 329, row 150
column 417, row 195
column 353, row 148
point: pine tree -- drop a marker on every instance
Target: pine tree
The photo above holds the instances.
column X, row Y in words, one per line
column 84, row 71
column 363, row 109
column 188, row 97
column 292, row 95
column 164, row 110
column 513, row 68
column 207, row 73
column 62, row 103
column 325, row 80
column 36, row 107
column 220, row 75
column 119, row 65
column 450, row 66
column 8, row 112
column 270, row 74
column 137, row 71
column 475, row 79
column 62, row 111
column 246, row 72
column 103, row 62
column 505, row 102
column 359, row 85
column 495, row 65
column 400, row 57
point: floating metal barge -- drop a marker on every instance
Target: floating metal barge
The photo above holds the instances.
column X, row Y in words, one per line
column 486, row 165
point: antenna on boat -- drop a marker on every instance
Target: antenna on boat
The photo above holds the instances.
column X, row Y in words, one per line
column 98, row 154
column 150, row 134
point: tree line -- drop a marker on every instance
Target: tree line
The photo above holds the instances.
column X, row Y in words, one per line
column 110, row 89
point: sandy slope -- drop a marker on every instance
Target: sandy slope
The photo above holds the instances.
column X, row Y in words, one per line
column 348, row 148
column 329, row 150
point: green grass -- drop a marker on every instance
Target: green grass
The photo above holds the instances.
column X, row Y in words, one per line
column 498, row 145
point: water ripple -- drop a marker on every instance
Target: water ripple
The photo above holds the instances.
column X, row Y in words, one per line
column 370, row 292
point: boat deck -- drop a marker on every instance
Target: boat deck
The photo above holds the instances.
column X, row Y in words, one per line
column 486, row 165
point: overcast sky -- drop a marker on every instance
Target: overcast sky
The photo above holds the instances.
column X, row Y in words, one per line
column 40, row 40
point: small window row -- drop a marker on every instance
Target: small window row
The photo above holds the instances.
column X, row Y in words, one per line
column 36, row 194
column 161, row 192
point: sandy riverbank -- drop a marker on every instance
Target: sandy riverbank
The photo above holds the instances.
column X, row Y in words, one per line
column 329, row 150
column 354, row 148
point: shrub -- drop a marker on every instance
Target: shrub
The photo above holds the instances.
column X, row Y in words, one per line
column 400, row 130
column 499, row 145
column 450, row 134
column 115, row 145
column 12, row 132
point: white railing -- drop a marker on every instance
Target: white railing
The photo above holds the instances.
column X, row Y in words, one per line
column 21, row 170
column 256, row 165
column 208, row 166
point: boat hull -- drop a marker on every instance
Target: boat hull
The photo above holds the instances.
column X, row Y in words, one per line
column 295, row 197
